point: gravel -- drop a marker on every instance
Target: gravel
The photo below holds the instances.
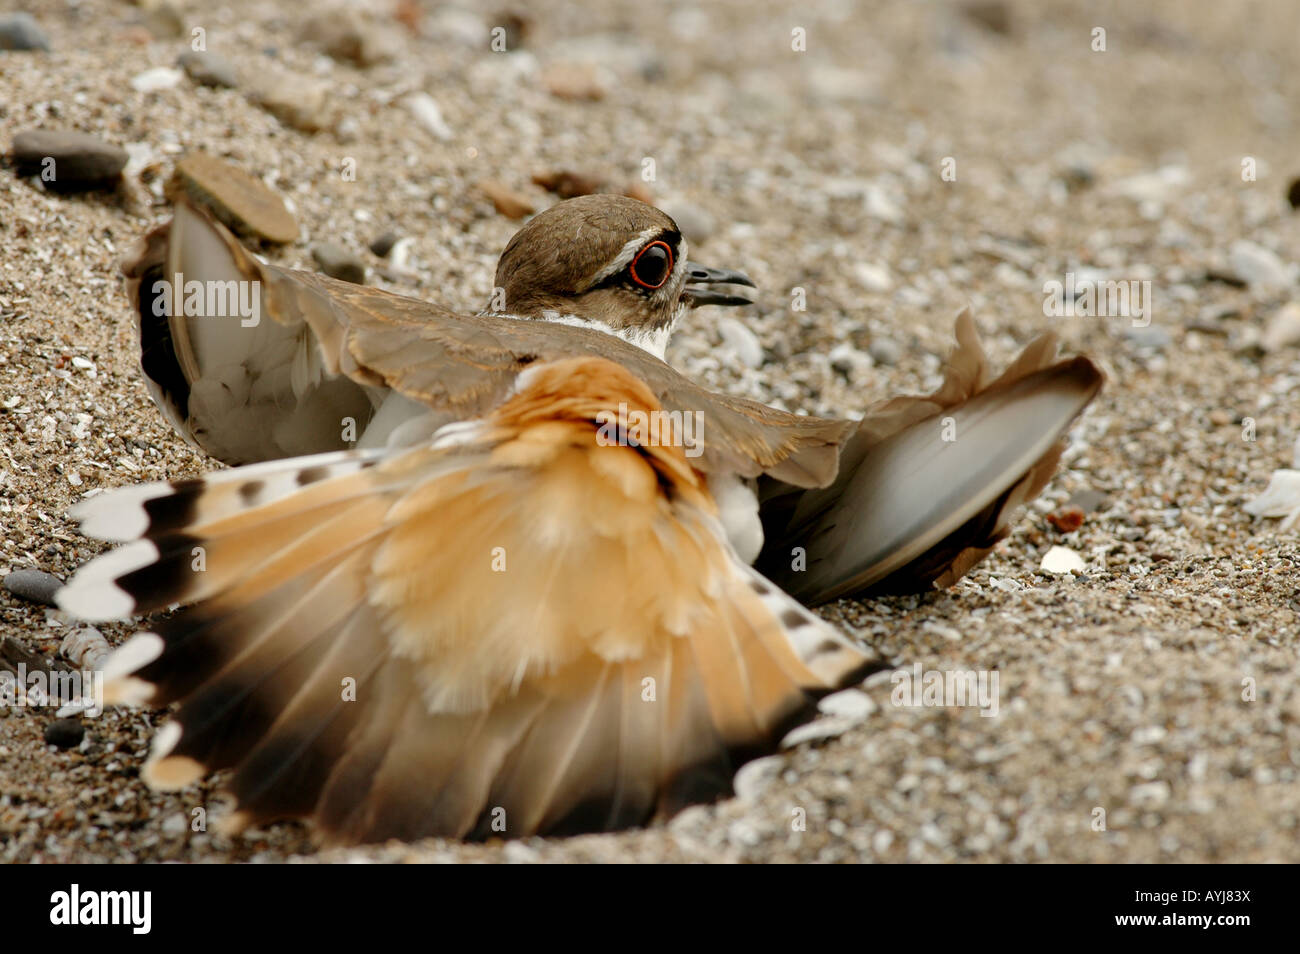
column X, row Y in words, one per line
column 1154, row 690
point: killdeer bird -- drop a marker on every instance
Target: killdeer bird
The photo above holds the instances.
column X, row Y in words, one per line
column 490, row 601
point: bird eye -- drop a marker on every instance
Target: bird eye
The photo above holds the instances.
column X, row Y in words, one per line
column 652, row 265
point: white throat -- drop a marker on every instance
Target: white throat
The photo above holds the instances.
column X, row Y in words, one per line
column 652, row 341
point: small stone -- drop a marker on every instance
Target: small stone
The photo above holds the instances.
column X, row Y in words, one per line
column 35, row 586
column 63, row 157
column 156, row 79
column 175, row 824
column 743, row 343
column 208, row 69
column 19, row 31
column 849, row 361
column 427, row 113
column 574, row 81
column 346, row 36
column 1149, row 795
column 883, row 351
column 1089, row 501
column 337, row 262
column 243, row 203
column 384, row 244
column 65, row 733
column 1152, row 337
column 507, row 201
column 756, row 776
column 517, row 26
column 1062, row 560
column 162, row 19
column 1259, row 267
column 820, row 730
column 874, row 277
column 1067, row 519
column 880, row 204
column 1293, row 193
column 992, row 15
column 847, row 704
column 1283, row 329
column 568, row 184
column 695, row 223
column 298, row 102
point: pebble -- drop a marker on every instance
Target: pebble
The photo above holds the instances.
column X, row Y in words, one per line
column 65, row 733
column 879, row 204
column 1283, row 329
column 175, row 824
column 883, row 351
column 35, row 586
column 574, row 81
column 568, row 184
column 849, row 361
column 1149, row 794
column 427, row 113
column 384, row 244
column 80, row 159
column 19, row 31
column 1259, row 267
column 156, row 79
column 874, row 277
column 243, row 203
column 208, row 69
column 298, row 102
column 508, row 202
column 1153, row 337
column 697, row 224
column 1062, row 560
column 1293, row 194
column 757, row 776
column 347, row 37
column 337, row 262
column 742, row 342
column 818, row 730
column 847, row 704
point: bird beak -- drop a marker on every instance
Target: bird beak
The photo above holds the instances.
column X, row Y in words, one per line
column 699, row 275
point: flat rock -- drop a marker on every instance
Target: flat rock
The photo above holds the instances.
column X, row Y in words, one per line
column 35, row 586
column 508, row 202
column 79, row 159
column 19, row 31
column 298, row 102
column 208, row 69
column 65, row 733
column 243, row 203
column 337, row 262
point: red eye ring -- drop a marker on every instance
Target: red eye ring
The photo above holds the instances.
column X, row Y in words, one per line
column 668, row 267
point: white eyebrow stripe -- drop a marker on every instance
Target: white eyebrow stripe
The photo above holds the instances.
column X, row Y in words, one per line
column 624, row 256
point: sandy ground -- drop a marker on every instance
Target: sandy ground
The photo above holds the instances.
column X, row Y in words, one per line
column 1156, row 688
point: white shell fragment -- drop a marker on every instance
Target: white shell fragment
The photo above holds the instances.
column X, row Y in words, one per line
column 1062, row 560
column 85, row 648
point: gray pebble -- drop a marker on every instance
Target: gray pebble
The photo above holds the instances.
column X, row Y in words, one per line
column 1152, row 336
column 883, row 351
column 79, row 159
column 36, row 586
column 696, row 223
column 19, row 31
column 1089, row 501
column 208, row 69
column 384, row 244
column 337, row 262
column 65, row 733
